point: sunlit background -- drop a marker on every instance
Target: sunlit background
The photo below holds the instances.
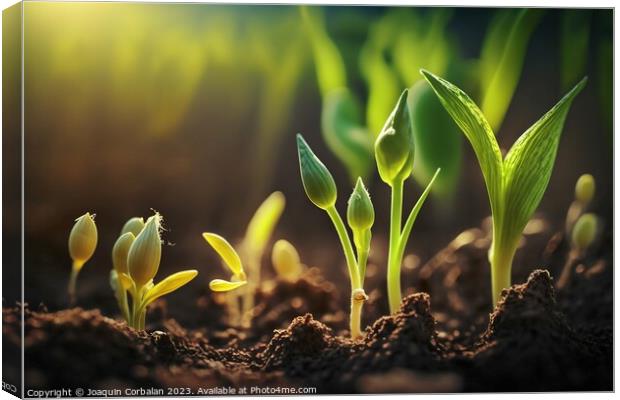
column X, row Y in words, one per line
column 192, row 110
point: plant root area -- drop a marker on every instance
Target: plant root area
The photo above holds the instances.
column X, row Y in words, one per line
column 538, row 337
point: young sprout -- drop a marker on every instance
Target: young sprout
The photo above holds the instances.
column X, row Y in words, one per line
column 82, row 244
column 135, row 271
column 238, row 276
column 394, row 152
column 515, row 183
column 251, row 249
column 257, row 235
column 321, row 190
column 119, row 262
column 583, row 234
column 585, row 189
column 285, row 260
column 133, row 225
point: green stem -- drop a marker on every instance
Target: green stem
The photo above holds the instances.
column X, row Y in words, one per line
column 501, row 266
column 358, row 297
column 142, row 319
column 346, row 246
column 121, row 296
column 393, row 272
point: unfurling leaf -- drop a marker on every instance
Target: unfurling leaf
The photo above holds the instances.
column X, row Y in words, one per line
column 225, row 251
column 220, row 285
column 168, row 285
column 469, row 118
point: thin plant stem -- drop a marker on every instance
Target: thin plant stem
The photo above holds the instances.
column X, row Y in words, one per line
column 393, row 273
column 346, row 246
column 71, row 288
column 358, row 297
column 501, row 268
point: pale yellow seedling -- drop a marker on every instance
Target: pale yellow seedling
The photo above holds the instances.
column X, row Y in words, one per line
column 286, row 261
column 142, row 263
column 82, row 245
column 231, row 260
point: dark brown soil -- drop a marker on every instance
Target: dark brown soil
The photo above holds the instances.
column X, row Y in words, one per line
column 444, row 341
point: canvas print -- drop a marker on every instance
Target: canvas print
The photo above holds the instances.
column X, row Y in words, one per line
column 229, row 199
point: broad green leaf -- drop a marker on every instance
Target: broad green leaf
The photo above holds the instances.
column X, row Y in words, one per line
column 506, row 52
column 220, row 285
column 225, row 250
column 344, row 133
column 574, row 45
column 263, row 222
column 168, row 285
column 477, row 130
column 330, row 68
column 529, row 163
column 493, row 44
column 438, row 141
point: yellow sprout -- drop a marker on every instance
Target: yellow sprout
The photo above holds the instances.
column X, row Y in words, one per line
column 133, row 225
column 585, row 189
column 285, row 259
column 120, row 252
column 82, row 244
column 231, row 260
column 584, row 232
column 145, row 252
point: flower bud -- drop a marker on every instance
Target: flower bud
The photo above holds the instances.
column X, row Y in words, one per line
column 584, row 231
column 394, row 147
column 318, row 182
column 585, row 189
column 82, row 240
column 133, row 225
column 145, row 252
column 120, row 251
column 285, row 260
column 360, row 212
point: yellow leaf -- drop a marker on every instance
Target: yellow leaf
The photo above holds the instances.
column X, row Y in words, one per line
column 220, row 285
column 125, row 280
column 168, row 285
column 225, row 250
column 263, row 222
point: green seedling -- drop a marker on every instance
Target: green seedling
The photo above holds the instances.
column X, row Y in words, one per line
column 394, row 152
column 321, row 189
column 136, row 261
column 515, row 183
column 82, row 245
column 585, row 189
column 582, row 237
column 285, row 260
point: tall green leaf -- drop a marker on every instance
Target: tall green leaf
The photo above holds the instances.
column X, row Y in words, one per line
column 502, row 60
column 529, row 163
column 474, row 125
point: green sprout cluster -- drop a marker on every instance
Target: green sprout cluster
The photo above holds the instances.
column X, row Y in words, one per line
column 394, row 152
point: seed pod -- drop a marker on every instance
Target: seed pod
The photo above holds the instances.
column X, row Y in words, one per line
column 585, row 189
column 394, row 147
column 317, row 180
column 83, row 240
column 584, row 231
column 145, row 252
column 285, row 260
column 120, row 251
column 360, row 212
column 133, row 225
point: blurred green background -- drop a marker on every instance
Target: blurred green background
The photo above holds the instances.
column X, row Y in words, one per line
column 192, row 110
